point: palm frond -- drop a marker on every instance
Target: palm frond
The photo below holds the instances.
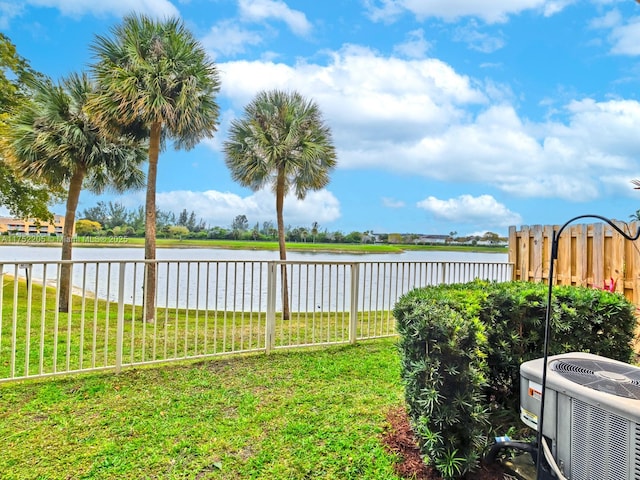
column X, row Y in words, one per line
column 153, row 71
column 54, row 136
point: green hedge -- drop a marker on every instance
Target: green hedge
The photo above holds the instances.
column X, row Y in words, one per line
column 461, row 349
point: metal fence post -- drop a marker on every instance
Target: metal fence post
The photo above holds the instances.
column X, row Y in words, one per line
column 120, row 320
column 353, row 315
column 270, row 327
column 27, row 348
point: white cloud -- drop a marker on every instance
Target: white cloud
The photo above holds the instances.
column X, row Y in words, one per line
column 477, row 40
column 228, row 38
column 78, row 8
column 551, row 7
column 220, row 208
column 611, row 19
column 490, row 11
column 626, row 38
column 422, row 118
column 8, row 11
column 621, row 185
column 414, row 47
column 387, row 11
column 624, row 34
column 259, row 10
column 359, row 90
column 579, row 188
column 468, row 209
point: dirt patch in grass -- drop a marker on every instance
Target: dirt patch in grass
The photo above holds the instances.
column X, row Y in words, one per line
column 399, row 439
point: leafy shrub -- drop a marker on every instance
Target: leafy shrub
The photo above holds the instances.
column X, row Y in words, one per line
column 462, row 345
column 444, row 372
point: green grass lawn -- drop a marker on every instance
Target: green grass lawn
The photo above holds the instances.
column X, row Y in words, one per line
column 86, row 337
column 290, row 415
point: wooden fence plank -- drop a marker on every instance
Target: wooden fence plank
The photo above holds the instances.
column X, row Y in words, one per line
column 597, row 269
column 580, row 277
column 537, row 253
column 588, row 255
column 616, row 260
column 512, row 251
column 523, row 253
column 547, row 237
column 563, row 262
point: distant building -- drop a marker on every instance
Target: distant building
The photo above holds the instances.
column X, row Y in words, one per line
column 16, row 226
column 431, row 239
column 395, row 238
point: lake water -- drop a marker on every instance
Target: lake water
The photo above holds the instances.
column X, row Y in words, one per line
column 237, row 278
column 24, row 253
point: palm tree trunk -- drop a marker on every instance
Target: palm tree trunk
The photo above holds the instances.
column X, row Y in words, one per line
column 75, row 186
column 281, row 242
column 150, row 224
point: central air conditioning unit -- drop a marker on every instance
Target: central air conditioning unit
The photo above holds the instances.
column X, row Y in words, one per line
column 591, row 414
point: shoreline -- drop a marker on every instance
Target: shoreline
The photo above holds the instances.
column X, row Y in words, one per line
column 120, row 242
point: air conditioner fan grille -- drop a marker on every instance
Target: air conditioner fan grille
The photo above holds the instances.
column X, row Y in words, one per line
column 614, row 378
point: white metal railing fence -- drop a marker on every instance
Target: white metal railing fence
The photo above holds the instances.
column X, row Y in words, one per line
column 203, row 308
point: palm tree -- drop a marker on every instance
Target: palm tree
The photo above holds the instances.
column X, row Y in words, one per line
column 155, row 75
column 282, row 141
column 52, row 139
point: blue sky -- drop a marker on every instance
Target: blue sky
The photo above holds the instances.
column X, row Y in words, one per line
column 447, row 115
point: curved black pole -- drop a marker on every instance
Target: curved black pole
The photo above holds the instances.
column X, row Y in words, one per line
column 547, row 322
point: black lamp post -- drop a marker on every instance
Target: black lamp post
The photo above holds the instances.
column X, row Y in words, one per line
column 547, row 328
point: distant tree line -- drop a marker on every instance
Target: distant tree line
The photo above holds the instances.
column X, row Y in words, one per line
column 114, row 218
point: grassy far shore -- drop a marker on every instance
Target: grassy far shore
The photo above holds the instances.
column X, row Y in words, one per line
column 304, row 414
column 245, row 245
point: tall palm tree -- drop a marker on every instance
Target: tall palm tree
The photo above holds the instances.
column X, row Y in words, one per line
column 281, row 141
column 52, row 139
column 155, row 75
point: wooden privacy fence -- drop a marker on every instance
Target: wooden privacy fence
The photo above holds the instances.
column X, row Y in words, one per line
column 592, row 255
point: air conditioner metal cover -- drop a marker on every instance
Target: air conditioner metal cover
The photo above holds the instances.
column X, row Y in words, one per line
column 603, row 375
column 597, row 380
column 592, row 414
